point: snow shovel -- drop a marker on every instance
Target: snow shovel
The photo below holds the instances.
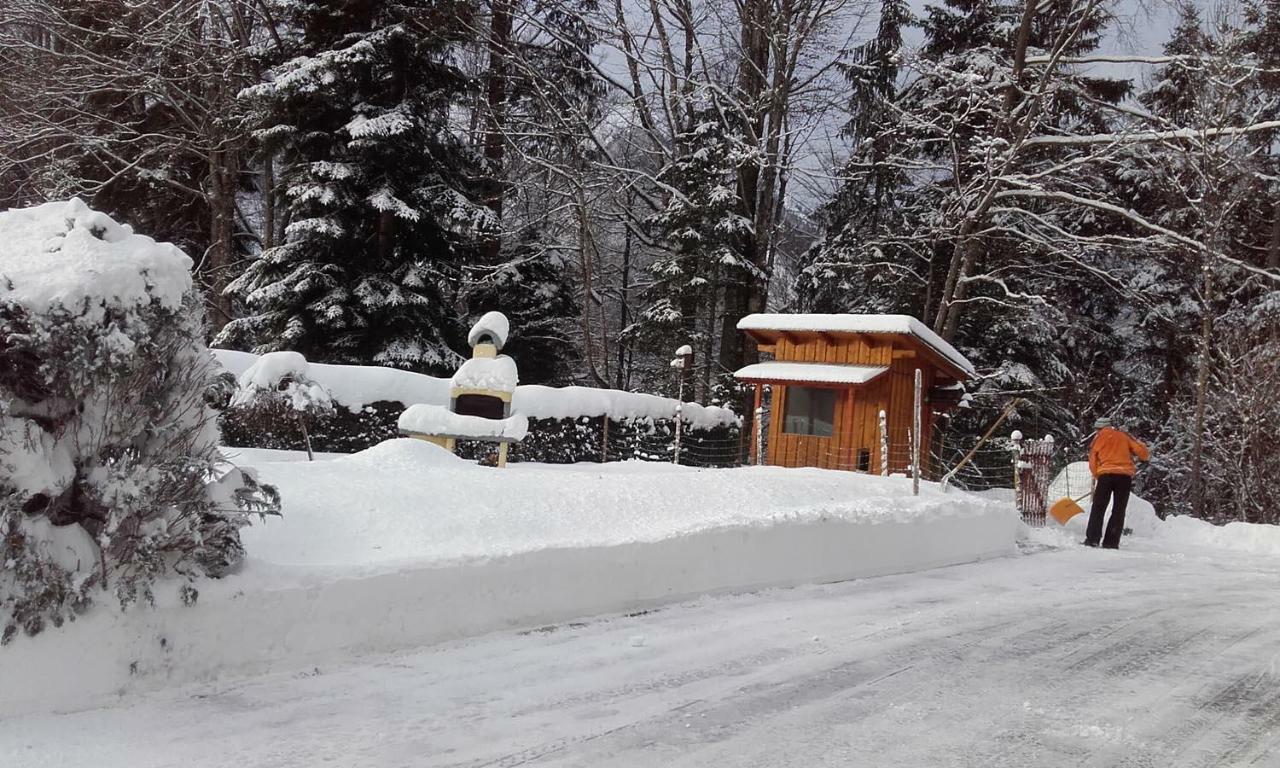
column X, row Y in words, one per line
column 1064, row 509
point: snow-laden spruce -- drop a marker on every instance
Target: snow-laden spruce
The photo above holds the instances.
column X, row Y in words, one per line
column 109, row 471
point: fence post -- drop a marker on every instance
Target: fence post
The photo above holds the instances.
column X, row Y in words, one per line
column 681, row 363
column 759, row 435
column 1015, row 441
column 884, row 444
column 604, row 441
column 679, row 424
column 915, row 435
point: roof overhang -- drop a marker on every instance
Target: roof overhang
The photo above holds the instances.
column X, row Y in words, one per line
column 768, row 327
column 817, row 374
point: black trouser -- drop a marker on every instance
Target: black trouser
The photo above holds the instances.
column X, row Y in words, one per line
column 1114, row 489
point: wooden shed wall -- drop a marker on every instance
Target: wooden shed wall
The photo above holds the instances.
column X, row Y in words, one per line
column 857, row 412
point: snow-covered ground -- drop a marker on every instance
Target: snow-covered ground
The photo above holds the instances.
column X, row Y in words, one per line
column 405, row 545
column 1057, row 657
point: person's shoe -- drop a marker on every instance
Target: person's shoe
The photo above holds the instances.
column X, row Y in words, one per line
column 1087, row 543
column 1110, row 546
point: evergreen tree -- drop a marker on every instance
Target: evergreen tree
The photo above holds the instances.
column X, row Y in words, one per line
column 534, row 288
column 701, row 227
column 382, row 197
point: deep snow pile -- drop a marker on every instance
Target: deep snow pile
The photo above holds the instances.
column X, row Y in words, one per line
column 356, row 386
column 405, row 544
column 109, row 471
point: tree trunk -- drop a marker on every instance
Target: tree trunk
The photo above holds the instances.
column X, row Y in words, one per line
column 624, row 309
column 742, row 291
column 1273, row 249
column 495, row 114
column 1202, row 394
column 269, row 204
column 220, row 258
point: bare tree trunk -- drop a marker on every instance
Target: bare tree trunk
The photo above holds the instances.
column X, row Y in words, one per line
column 1273, row 250
column 496, row 98
column 1202, row 394
column 222, row 217
column 624, row 309
column 269, row 204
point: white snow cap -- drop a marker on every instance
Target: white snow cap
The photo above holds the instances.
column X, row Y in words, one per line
column 492, row 373
column 494, row 324
column 685, row 350
column 820, row 373
column 66, row 254
column 267, row 371
column 437, row 420
column 851, row 323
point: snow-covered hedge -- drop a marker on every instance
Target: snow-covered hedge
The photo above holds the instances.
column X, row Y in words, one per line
column 109, row 471
column 566, row 424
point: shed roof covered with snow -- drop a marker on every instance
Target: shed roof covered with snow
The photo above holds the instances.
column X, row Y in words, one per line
column 767, row 328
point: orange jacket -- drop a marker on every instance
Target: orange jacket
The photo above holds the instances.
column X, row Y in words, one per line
column 1112, row 453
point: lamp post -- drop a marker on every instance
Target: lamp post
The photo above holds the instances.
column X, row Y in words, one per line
column 680, row 363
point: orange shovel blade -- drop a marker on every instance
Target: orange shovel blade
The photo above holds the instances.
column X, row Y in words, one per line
column 1064, row 509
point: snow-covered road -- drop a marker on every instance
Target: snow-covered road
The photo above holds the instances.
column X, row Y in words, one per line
column 1057, row 658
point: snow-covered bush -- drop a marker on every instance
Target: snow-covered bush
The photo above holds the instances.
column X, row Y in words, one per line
column 276, row 391
column 109, row 469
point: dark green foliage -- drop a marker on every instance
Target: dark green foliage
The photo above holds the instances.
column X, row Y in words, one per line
column 383, row 199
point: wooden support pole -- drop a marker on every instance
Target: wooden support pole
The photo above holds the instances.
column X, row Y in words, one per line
column 757, row 417
column 916, row 442
column 884, row 444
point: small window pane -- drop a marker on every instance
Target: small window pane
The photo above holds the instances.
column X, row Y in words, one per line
column 809, row 411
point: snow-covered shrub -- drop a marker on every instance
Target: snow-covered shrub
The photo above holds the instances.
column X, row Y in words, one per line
column 277, row 391
column 109, row 469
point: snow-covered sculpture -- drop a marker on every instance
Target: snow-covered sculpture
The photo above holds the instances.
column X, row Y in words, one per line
column 479, row 396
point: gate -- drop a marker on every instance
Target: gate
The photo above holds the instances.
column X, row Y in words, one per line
column 1034, row 464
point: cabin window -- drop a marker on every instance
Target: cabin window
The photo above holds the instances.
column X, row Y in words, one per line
column 809, row 411
column 864, row 459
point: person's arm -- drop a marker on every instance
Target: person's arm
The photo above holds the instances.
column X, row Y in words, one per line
column 1139, row 449
column 1093, row 457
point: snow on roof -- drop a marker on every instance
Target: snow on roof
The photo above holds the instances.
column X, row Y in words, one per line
column 427, row 419
column 66, row 254
column 852, row 323
column 493, row 323
column 818, row 373
column 493, row 373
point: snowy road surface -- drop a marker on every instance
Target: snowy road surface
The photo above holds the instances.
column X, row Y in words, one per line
column 1057, row 658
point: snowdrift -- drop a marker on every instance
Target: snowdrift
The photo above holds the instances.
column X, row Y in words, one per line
column 405, row 545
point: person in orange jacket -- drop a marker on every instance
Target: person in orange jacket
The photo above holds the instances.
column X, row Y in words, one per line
column 1111, row 461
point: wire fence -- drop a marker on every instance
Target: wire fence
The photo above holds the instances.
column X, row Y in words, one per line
column 695, row 449
column 1030, row 471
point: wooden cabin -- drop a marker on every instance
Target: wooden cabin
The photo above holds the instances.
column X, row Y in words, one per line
column 832, row 375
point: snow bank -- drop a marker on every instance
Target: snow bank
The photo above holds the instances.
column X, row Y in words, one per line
column 405, row 545
column 355, row 386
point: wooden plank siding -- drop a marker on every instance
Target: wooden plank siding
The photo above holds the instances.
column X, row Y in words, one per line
column 856, row 423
